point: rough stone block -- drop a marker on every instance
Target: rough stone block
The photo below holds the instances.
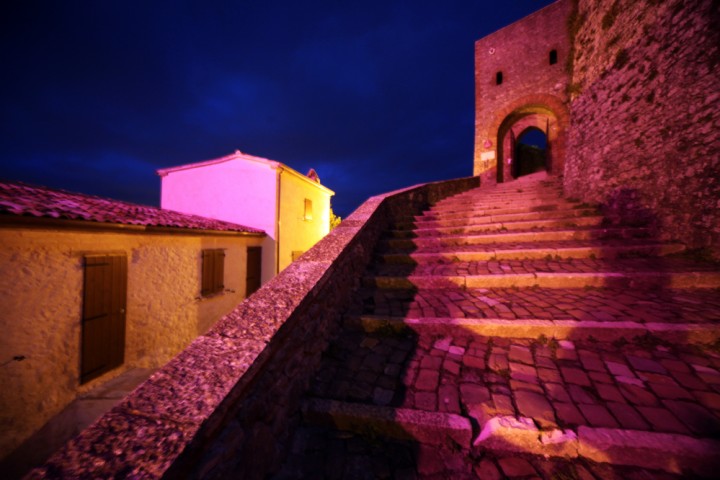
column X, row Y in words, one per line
column 670, row 452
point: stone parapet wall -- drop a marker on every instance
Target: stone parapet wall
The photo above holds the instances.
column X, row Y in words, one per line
column 645, row 129
column 225, row 406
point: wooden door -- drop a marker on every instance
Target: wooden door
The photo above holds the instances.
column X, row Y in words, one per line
column 254, row 270
column 103, row 322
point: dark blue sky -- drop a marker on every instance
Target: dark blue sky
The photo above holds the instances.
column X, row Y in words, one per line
column 375, row 95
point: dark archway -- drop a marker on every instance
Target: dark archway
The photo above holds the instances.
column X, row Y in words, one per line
column 495, row 145
column 530, row 152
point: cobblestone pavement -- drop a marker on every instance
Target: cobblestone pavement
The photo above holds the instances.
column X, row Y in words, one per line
column 638, row 387
column 571, row 265
column 638, row 384
column 597, row 304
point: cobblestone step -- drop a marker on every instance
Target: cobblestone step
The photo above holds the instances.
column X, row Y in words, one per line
column 579, row 249
column 540, row 223
column 596, row 305
column 329, row 453
column 642, row 280
column 662, row 272
column 427, row 427
column 500, row 201
column 514, row 237
column 482, row 218
column 686, row 333
column 542, row 396
column 555, row 350
column 467, row 211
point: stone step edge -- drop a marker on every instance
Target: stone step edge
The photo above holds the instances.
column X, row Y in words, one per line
column 674, row 453
column 500, row 209
column 512, row 225
column 520, row 236
column 686, row 333
column 553, row 280
column 430, row 214
column 433, row 428
column 670, row 452
column 472, row 219
column 535, row 253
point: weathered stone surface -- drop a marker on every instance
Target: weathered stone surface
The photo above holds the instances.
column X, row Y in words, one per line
column 508, row 434
column 670, row 452
column 425, row 427
column 623, row 103
column 535, row 406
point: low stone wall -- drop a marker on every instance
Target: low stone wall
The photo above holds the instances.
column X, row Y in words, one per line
column 225, row 407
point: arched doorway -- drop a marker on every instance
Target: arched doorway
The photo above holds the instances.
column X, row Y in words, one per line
column 527, row 117
column 530, row 152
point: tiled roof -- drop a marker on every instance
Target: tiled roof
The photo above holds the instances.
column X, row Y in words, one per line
column 27, row 200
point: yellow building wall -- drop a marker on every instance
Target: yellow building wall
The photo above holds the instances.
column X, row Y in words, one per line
column 41, row 292
column 297, row 231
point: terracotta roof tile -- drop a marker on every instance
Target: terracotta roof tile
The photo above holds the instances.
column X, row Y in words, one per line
column 18, row 198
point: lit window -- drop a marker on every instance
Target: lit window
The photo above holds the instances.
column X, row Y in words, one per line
column 213, row 271
column 553, row 57
column 498, row 78
column 308, row 209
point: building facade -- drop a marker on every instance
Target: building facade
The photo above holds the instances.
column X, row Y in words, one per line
column 91, row 287
column 292, row 208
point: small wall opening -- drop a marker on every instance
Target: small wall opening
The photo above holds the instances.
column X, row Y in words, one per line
column 498, row 78
column 530, row 153
column 553, row 57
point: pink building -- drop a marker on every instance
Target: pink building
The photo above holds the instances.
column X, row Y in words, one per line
column 292, row 208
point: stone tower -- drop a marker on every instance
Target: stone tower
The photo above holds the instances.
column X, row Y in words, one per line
column 521, row 83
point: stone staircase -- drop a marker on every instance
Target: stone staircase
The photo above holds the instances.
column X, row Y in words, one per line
column 509, row 333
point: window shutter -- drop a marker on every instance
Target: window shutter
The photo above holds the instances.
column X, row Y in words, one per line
column 213, row 271
column 207, row 272
column 219, row 263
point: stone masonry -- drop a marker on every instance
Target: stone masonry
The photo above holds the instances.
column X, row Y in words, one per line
column 645, row 131
column 507, row 333
column 531, row 93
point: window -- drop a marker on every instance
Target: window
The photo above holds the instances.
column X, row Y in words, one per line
column 553, row 57
column 213, row 271
column 498, row 78
column 308, row 209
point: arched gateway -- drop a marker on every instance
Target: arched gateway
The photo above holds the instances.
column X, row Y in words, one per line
column 541, row 113
column 521, row 85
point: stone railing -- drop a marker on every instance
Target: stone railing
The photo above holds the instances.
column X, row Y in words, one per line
column 226, row 406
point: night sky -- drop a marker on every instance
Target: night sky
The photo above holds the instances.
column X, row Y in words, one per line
column 375, row 95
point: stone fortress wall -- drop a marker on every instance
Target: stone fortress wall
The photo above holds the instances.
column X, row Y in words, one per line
column 645, row 132
column 630, row 108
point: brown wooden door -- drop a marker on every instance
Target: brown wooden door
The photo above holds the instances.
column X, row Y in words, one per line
column 254, row 270
column 103, row 322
